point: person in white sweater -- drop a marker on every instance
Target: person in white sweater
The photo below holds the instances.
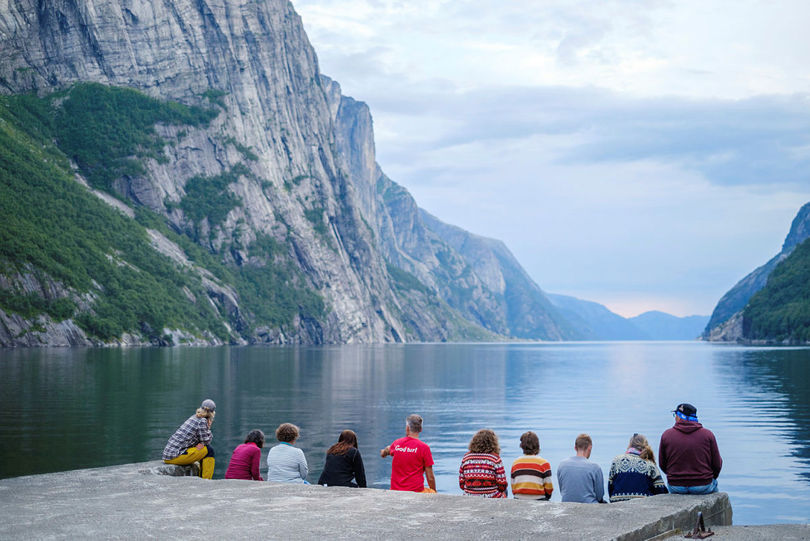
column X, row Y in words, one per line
column 285, row 463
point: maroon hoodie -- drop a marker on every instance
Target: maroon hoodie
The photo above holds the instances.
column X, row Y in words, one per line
column 688, row 454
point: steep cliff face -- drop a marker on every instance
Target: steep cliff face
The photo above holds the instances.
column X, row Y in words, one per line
column 280, row 184
column 477, row 277
column 735, row 300
column 255, row 61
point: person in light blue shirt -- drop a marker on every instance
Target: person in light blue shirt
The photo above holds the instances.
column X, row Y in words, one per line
column 285, row 463
column 580, row 479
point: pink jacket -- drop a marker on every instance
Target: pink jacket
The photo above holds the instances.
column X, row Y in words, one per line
column 245, row 463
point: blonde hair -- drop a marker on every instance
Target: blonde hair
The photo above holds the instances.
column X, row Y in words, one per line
column 639, row 441
column 208, row 414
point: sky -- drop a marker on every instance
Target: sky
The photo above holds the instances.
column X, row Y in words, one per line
column 643, row 154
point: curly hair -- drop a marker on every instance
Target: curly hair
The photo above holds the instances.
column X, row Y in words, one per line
column 485, row 441
column 287, row 432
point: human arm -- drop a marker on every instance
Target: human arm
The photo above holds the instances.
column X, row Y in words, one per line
column 599, row 488
column 462, row 482
column 303, row 469
column 716, row 460
column 431, row 479
column 611, row 475
column 203, row 432
column 386, row 451
column 548, row 486
column 255, row 459
column 662, row 455
column 657, row 485
column 359, row 470
column 500, row 477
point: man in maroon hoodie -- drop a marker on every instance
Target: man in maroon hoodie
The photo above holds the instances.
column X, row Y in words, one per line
column 688, row 454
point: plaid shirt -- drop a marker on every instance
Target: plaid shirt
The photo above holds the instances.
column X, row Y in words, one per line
column 195, row 430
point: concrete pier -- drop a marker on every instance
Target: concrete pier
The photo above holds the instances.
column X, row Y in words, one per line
column 135, row 502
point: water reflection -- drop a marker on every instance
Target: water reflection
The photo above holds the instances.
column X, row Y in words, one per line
column 68, row 409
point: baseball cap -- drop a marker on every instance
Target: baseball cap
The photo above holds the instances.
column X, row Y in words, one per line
column 209, row 405
column 686, row 409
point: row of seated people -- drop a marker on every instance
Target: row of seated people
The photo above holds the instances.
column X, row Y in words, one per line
column 633, row 474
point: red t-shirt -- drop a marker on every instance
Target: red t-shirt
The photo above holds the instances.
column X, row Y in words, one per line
column 411, row 457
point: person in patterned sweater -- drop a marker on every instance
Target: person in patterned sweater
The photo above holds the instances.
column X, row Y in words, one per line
column 481, row 472
column 531, row 474
column 634, row 474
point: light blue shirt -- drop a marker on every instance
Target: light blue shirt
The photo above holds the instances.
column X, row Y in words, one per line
column 286, row 464
column 580, row 480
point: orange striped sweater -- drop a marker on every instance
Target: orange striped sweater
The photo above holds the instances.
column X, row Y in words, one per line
column 531, row 478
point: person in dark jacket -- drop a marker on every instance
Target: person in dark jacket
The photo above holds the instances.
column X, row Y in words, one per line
column 688, row 454
column 344, row 465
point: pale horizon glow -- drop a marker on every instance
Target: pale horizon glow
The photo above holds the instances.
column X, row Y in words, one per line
column 643, row 156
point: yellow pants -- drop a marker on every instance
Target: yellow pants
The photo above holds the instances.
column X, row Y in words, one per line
column 192, row 455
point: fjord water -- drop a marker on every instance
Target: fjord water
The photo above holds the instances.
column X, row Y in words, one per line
column 73, row 408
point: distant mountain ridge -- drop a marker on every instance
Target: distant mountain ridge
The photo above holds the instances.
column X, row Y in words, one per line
column 597, row 322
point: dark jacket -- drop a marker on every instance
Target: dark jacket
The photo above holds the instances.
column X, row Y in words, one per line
column 688, row 454
column 339, row 470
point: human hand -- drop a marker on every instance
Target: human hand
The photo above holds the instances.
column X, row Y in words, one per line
column 200, row 446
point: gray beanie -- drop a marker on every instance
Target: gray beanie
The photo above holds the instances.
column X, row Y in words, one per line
column 209, row 405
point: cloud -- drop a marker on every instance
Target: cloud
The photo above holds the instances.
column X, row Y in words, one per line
column 623, row 150
column 757, row 141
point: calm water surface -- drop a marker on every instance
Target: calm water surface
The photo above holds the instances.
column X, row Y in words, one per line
column 67, row 409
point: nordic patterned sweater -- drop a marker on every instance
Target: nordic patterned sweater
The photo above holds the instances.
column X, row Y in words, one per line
column 482, row 474
column 633, row 477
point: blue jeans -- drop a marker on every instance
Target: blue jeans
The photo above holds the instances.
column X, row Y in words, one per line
column 703, row 489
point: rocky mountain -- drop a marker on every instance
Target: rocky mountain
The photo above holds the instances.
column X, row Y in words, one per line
column 222, row 191
column 725, row 323
column 525, row 309
column 780, row 312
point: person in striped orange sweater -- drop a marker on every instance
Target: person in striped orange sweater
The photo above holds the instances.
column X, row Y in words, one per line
column 481, row 472
column 531, row 474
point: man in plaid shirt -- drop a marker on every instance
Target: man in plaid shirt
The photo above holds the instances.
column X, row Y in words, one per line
column 191, row 442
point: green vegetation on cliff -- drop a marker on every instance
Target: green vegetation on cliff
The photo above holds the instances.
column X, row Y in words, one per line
column 53, row 227
column 781, row 310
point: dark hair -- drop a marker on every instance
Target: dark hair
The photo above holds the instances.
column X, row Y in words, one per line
column 346, row 441
column 485, row 441
column 257, row 437
column 530, row 443
column 287, row 432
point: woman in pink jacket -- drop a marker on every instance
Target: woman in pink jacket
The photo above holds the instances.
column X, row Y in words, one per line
column 246, row 458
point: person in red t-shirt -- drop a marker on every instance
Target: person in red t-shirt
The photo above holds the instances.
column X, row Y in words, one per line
column 412, row 460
